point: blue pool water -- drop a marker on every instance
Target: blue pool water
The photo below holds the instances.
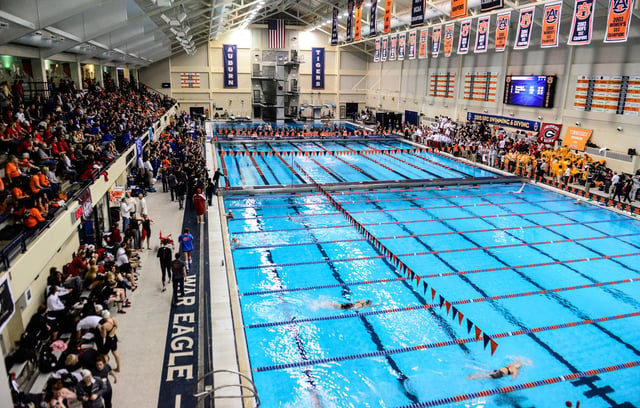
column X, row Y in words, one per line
column 256, row 164
column 554, row 284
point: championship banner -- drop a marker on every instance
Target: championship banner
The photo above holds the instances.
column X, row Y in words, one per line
column 424, row 39
column 349, row 36
column 551, row 25
column 230, row 66
column 376, row 55
column 412, row 45
column 357, row 33
column 576, row 138
column 549, row 133
column 402, row 44
column 334, row 27
column 385, row 48
column 317, row 66
column 392, row 47
column 448, row 39
column 502, row 30
column 463, row 38
column 373, row 23
column 486, row 5
column 388, row 4
column 435, row 41
column 482, row 34
column 525, row 24
column 618, row 21
column 582, row 23
column 417, row 13
column 523, row 124
column 458, row 9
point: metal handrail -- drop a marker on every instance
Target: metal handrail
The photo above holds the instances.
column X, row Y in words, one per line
column 252, row 389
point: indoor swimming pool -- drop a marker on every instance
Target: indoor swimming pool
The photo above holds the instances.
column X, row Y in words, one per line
column 462, row 279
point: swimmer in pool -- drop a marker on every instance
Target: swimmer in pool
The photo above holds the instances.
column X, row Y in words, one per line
column 235, row 242
column 229, row 215
column 359, row 304
column 511, row 369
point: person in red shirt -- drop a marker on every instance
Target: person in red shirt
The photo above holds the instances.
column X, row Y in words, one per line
column 200, row 205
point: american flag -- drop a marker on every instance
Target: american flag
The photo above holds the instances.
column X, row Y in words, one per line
column 276, row 33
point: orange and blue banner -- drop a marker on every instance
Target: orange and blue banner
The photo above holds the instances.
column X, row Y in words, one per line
column 376, row 55
column 618, row 21
column 388, row 5
column 385, row 48
column 435, row 41
column 349, row 35
column 424, row 40
column 230, row 66
column 317, row 70
column 525, row 24
column 413, row 36
column 458, row 9
column 502, row 30
column 482, row 34
column 373, row 23
column 464, row 37
column 402, row 45
column 357, row 36
column 448, row 39
column 551, row 25
column 582, row 23
column 393, row 40
column 334, row 27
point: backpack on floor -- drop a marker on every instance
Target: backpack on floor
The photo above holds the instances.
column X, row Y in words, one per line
column 47, row 361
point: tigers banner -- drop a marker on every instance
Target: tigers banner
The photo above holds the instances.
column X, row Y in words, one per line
column 424, row 39
column 393, row 40
column 417, row 13
column 582, row 23
column 551, row 25
column 435, row 41
column 448, row 39
column 349, row 36
column 458, row 9
column 402, row 44
column 373, row 23
column 376, row 55
column 388, row 5
column 482, row 34
column 618, row 21
column 502, row 30
column 412, row 45
column 334, row 27
column 463, row 39
column 525, row 23
column 385, row 48
column 357, row 32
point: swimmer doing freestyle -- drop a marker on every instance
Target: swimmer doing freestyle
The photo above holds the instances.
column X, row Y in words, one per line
column 511, row 369
column 358, row 304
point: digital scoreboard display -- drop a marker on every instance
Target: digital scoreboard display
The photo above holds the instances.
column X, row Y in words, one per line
column 535, row 91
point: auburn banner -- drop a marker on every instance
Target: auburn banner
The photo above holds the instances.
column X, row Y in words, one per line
column 385, row 48
column 317, row 74
column 402, row 44
column 424, row 39
column 482, row 34
column 376, row 55
column 582, row 23
column 373, row 23
column 502, row 30
column 463, row 38
column 576, row 138
column 388, row 5
column 618, row 21
column 334, row 27
column 458, row 9
column 551, row 25
column 357, row 32
column 435, row 41
column 412, row 45
column 486, row 5
column 448, row 39
column 549, row 133
column 417, row 12
column 393, row 40
column 525, row 23
column 230, row 66
column 349, row 36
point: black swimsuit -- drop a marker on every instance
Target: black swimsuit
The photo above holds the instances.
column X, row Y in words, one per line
column 499, row 373
column 348, row 305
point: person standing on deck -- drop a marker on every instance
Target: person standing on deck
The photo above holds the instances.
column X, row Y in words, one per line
column 200, row 205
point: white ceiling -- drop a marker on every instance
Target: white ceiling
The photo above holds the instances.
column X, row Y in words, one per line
column 139, row 32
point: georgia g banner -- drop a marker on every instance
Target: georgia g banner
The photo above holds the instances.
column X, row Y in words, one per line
column 549, row 133
column 525, row 23
column 618, row 21
column 582, row 23
column 230, row 66
column 317, row 64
